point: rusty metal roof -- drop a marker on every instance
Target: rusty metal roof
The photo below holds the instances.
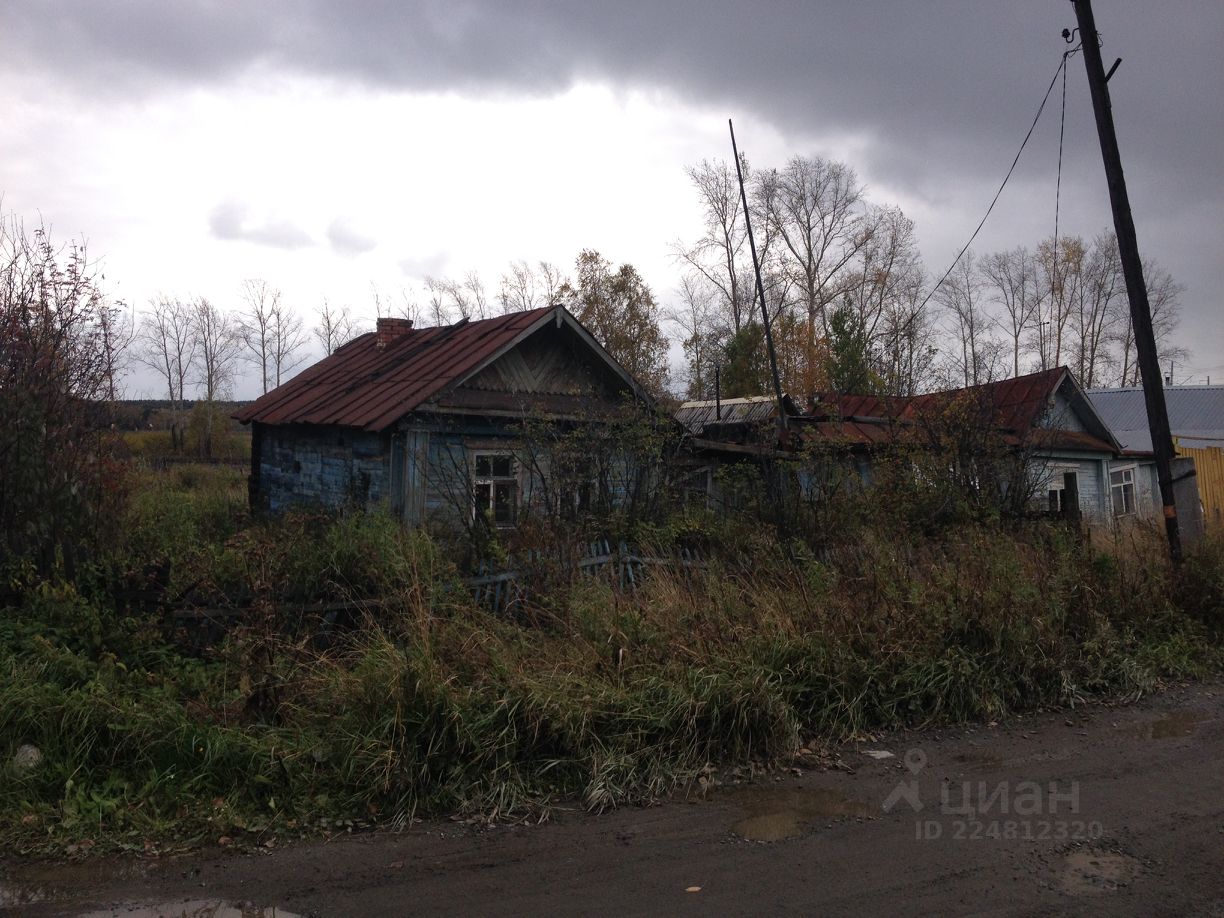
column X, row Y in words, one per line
column 377, row 378
column 1014, row 404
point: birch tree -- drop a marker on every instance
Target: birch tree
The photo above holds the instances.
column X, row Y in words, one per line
column 219, row 347
column 815, row 208
column 254, row 326
column 336, row 327
column 166, row 343
column 1011, row 279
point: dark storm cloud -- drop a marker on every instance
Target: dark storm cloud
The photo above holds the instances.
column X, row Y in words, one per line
column 938, row 84
column 942, row 91
column 229, row 221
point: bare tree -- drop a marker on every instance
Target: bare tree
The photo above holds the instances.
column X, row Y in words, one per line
column 286, row 338
column 961, row 295
column 254, row 326
column 1164, row 298
column 886, row 269
column 219, row 348
column 1012, row 281
column 1060, row 271
column 517, row 291
column 1094, row 312
column 336, row 327
column 703, row 337
column 526, row 287
column 465, row 298
column 404, row 304
column 718, row 256
column 117, row 328
column 167, row 345
column 815, row 206
column 905, row 342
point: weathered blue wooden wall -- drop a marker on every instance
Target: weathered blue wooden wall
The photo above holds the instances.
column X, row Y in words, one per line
column 322, row 466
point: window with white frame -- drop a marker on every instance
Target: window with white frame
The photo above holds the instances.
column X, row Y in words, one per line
column 1056, row 490
column 495, row 487
column 1122, row 488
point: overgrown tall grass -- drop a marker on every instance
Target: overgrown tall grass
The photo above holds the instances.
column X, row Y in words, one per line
column 433, row 705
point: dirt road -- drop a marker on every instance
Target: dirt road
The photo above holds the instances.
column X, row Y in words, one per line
column 1108, row 809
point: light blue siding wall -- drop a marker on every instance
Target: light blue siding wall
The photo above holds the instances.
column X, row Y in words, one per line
column 1061, row 416
column 1089, row 479
column 324, row 466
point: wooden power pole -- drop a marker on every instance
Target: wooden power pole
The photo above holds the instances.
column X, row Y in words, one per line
column 1132, row 270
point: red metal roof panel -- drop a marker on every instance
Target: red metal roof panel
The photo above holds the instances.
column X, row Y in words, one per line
column 374, row 380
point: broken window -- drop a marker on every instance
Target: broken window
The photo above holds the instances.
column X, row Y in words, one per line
column 495, row 487
column 1122, row 488
column 1057, row 489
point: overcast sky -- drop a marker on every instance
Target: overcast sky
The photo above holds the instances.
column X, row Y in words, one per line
column 329, row 147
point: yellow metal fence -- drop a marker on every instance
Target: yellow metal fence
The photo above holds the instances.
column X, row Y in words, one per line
column 1209, row 469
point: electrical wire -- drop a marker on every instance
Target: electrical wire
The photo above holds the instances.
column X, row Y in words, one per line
column 1062, row 67
column 1062, row 126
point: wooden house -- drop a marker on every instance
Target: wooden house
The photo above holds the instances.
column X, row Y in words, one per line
column 1046, row 417
column 1196, row 419
column 430, row 421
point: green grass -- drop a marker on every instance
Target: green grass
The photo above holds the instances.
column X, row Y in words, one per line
column 434, row 706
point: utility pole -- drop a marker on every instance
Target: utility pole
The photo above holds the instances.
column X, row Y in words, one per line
column 1132, row 270
column 756, row 267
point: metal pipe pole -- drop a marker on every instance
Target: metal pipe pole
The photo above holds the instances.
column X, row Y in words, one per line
column 1132, row 270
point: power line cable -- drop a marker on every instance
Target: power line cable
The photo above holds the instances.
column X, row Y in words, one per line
column 1062, row 65
column 1062, row 126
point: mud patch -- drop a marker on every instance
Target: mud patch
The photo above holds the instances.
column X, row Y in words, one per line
column 977, row 761
column 34, row 883
column 1089, row 872
column 193, row 908
column 13, row 895
column 778, row 813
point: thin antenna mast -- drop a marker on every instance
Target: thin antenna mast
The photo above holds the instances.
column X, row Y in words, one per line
column 756, row 267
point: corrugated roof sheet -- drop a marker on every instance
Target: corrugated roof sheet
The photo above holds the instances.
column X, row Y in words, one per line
column 371, row 384
column 1017, row 404
column 748, row 410
column 1196, row 415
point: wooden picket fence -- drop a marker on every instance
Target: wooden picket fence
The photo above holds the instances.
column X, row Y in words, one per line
column 501, row 591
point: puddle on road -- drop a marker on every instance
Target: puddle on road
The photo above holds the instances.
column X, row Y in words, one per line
column 1090, row 873
column 778, row 813
column 1171, row 726
column 192, row 908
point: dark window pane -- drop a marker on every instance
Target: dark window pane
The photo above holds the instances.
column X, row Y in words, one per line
column 501, row 466
column 483, row 466
column 503, row 502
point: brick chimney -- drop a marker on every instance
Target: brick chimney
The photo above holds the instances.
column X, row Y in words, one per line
column 390, row 329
